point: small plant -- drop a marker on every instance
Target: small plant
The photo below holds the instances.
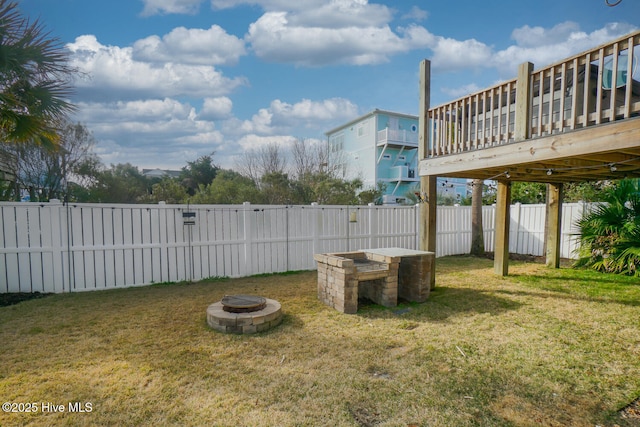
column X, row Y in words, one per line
column 610, row 232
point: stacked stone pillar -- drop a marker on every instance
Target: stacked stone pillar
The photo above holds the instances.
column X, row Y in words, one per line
column 337, row 282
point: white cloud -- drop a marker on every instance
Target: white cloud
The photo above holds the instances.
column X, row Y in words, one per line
column 269, row 5
column 167, row 132
column 216, row 108
column 192, row 46
column 110, row 72
column 461, row 91
column 252, row 142
column 158, row 118
column 342, row 14
column 274, row 38
column 539, row 36
column 450, row 54
column 154, row 7
column 282, row 117
column 149, row 133
column 544, row 46
column 416, row 14
column 313, row 112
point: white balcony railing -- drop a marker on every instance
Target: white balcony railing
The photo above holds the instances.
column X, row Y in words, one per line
column 397, row 137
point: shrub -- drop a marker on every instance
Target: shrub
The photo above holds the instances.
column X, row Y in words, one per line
column 610, row 232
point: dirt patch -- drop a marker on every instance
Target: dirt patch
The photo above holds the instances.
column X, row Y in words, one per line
column 16, row 297
column 631, row 411
column 364, row 416
column 530, row 258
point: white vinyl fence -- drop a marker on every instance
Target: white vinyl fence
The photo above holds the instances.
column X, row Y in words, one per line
column 51, row 247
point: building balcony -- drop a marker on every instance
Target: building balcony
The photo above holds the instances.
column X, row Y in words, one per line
column 396, row 138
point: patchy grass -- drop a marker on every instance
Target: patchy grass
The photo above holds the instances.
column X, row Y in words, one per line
column 540, row 347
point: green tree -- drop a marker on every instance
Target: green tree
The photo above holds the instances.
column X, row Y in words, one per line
column 374, row 195
column 330, row 190
column 199, row 172
column 528, row 192
column 610, row 232
column 228, row 187
column 121, row 183
column 168, row 190
column 277, row 188
column 47, row 171
column 591, row 191
column 34, row 80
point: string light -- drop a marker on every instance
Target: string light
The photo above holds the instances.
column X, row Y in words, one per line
column 613, row 167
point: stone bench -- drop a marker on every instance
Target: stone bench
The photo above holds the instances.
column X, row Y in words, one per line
column 380, row 275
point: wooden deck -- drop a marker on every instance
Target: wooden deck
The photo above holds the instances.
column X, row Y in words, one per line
column 576, row 120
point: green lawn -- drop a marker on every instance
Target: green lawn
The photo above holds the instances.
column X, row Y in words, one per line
column 538, row 348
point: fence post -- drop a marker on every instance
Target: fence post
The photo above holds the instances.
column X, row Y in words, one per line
column 373, row 238
column 58, row 229
column 163, row 243
column 248, row 239
column 315, row 228
column 517, row 215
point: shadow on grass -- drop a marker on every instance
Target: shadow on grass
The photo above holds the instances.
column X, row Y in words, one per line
column 600, row 288
column 587, row 277
column 444, row 303
column 567, row 294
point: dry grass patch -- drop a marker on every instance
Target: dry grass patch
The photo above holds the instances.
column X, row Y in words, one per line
column 540, row 347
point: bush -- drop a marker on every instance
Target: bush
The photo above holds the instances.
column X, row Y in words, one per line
column 610, row 232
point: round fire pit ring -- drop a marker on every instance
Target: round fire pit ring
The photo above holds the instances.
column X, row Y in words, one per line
column 243, row 303
column 244, row 314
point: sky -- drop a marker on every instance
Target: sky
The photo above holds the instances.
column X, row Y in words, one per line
column 163, row 82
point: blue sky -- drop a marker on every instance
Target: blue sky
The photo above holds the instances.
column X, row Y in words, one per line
column 164, row 82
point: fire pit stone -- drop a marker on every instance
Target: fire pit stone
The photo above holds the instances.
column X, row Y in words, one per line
column 244, row 314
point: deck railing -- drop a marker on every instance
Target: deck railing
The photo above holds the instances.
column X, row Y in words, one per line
column 598, row 86
column 395, row 136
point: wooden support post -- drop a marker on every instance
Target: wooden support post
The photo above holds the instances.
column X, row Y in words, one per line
column 423, row 110
column 554, row 224
column 523, row 97
column 428, row 213
column 428, row 190
column 503, row 219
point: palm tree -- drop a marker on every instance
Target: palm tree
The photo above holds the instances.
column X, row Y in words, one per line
column 610, row 232
column 34, row 79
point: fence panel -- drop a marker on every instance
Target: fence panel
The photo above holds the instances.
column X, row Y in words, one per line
column 527, row 229
column 52, row 247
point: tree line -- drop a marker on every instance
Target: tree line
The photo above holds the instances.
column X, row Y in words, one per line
column 71, row 171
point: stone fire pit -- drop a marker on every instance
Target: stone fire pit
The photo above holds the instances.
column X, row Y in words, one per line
column 244, row 314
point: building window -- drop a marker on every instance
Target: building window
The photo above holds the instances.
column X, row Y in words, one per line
column 363, row 129
column 336, row 142
column 386, row 156
column 414, row 128
column 402, row 158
